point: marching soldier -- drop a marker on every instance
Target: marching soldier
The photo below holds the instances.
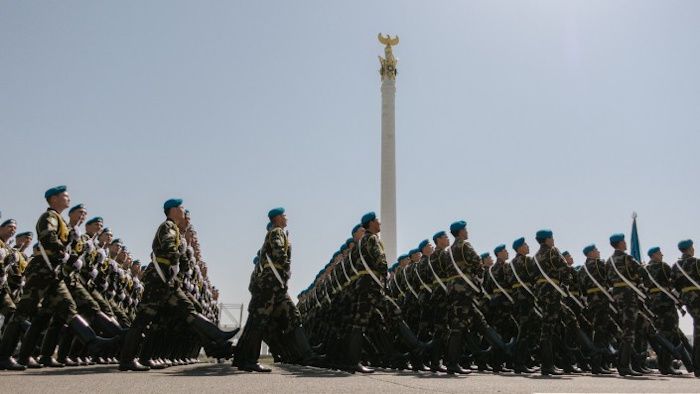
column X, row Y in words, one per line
column 686, row 279
column 520, row 275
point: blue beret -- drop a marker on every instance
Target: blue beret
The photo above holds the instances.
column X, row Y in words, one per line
column 393, row 267
column 349, row 242
column 275, row 212
column 25, row 234
column 485, row 255
column 95, row 220
column 8, row 222
column 256, row 259
column 439, row 234
column 54, row 191
column 566, row 253
column 498, row 249
column 413, row 251
column 106, row 230
column 403, row 256
column 518, row 243
column 368, row 217
column 615, row 238
column 589, row 249
column 172, row 203
column 458, row 226
column 683, row 245
column 117, row 241
column 76, row 207
column 268, row 227
column 343, row 248
column 543, row 234
column 423, row 244
column 354, row 229
column 336, row 254
column 653, row 250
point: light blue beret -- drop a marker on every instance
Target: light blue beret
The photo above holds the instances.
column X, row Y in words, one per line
column 8, row 222
column 172, row 203
column 543, row 234
column 589, row 249
column 354, row 229
column 498, row 249
column 518, row 243
column 76, row 207
column 615, row 238
column 458, row 226
column 653, row 250
column 683, row 245
column 275, row 212
column 54, row 191
column 423, row 244
column 439, row 234
column 368, row 217
column 485, row 255
column 95, row 220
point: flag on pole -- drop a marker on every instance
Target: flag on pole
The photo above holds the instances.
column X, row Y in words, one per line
column 634, row 240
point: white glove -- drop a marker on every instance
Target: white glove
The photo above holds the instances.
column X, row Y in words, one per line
column 93, row 273
column 66, row 256
column 78, row 264
column 104, row 286
column 175, row 269
column 121, row 296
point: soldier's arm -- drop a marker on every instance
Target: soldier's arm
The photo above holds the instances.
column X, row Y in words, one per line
column 376, row 254
column 47, row 230
column 168, row 245
column 278, row 252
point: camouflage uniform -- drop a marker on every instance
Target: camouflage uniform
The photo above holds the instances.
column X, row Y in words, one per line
column 8, row 259
column 690, row 296
column 524, row 309
column 598, row 309
column 626, row 303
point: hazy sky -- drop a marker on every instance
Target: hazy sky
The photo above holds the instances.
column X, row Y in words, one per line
column 512, row 115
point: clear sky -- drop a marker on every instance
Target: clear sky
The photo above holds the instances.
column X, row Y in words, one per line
column 512, row 115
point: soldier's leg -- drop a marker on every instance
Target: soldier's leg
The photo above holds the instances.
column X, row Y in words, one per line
column 153, row 299
column 627, row 306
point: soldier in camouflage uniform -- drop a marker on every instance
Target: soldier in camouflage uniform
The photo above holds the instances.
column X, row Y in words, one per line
column 685, row 277
column 598, row 304
column 500, row 306
column 439, row 306
column 16, row 271
column 520, row 274
column 160, row 291
column 270, row 301
column 8, row 259
column 622, row 269
column 658, row 282
column 45, row 287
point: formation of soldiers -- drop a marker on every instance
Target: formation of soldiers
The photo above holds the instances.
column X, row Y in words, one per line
column 534, row 313
column 78, row 297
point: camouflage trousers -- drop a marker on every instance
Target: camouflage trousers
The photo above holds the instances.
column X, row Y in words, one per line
column 53, row 296
column 499, row 312
column 369, row 300
column 599, row 315
column 462, row 313
column 270, row 303
column 666, row 319
column 550, row 303
column 691, row 300
column 105, row 307
column 86, row 305
column 158, row 296
column 628, row 312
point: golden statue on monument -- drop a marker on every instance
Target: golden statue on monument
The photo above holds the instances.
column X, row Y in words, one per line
column 388, row 62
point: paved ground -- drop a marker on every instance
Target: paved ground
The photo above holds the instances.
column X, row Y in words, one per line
column 207, row 377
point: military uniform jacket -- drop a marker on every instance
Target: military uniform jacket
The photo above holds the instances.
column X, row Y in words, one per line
column 372, row 251
column 629, row 267
column 661, row 272
column 166, row 252
column 499, row 272
column 52, row 233
column 279, row 250
column 598, row 269
column 691, row 266
column 7, row 260
column 553, row 264
column 526, row 269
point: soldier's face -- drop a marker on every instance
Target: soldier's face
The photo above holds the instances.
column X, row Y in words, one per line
column 502, row 255
column 60, row 201
column 358, row 234
column 443, row 241
column 375, row 226
column 524, row 250
column 94, row 228
column 23, row 242
column 549, row 242
column 8, row 231
column 658, row 256
column 78, row 216
column 488, row 261
column 690, row 251
column 428, row 250
column 595, row 254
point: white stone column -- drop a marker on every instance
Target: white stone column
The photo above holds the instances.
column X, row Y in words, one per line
column 388, row 181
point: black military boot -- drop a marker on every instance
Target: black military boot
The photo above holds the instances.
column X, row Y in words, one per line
column 436, row 353
column 354, row 353
column 495, row 340
column 597, row 365
column 248, row 352
column 127, row 360
column 520, row 357
column 623, row 365
column 547, row 357
column 209, row 330
column 454, row 353
column 95, row 344
column 64, row 347
column 146, row 356
column 48, row 346
column 39, row 323
column 696, row 355
column 108, row 325
column 665, row 364
column 8, row 343
column 308, row 357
